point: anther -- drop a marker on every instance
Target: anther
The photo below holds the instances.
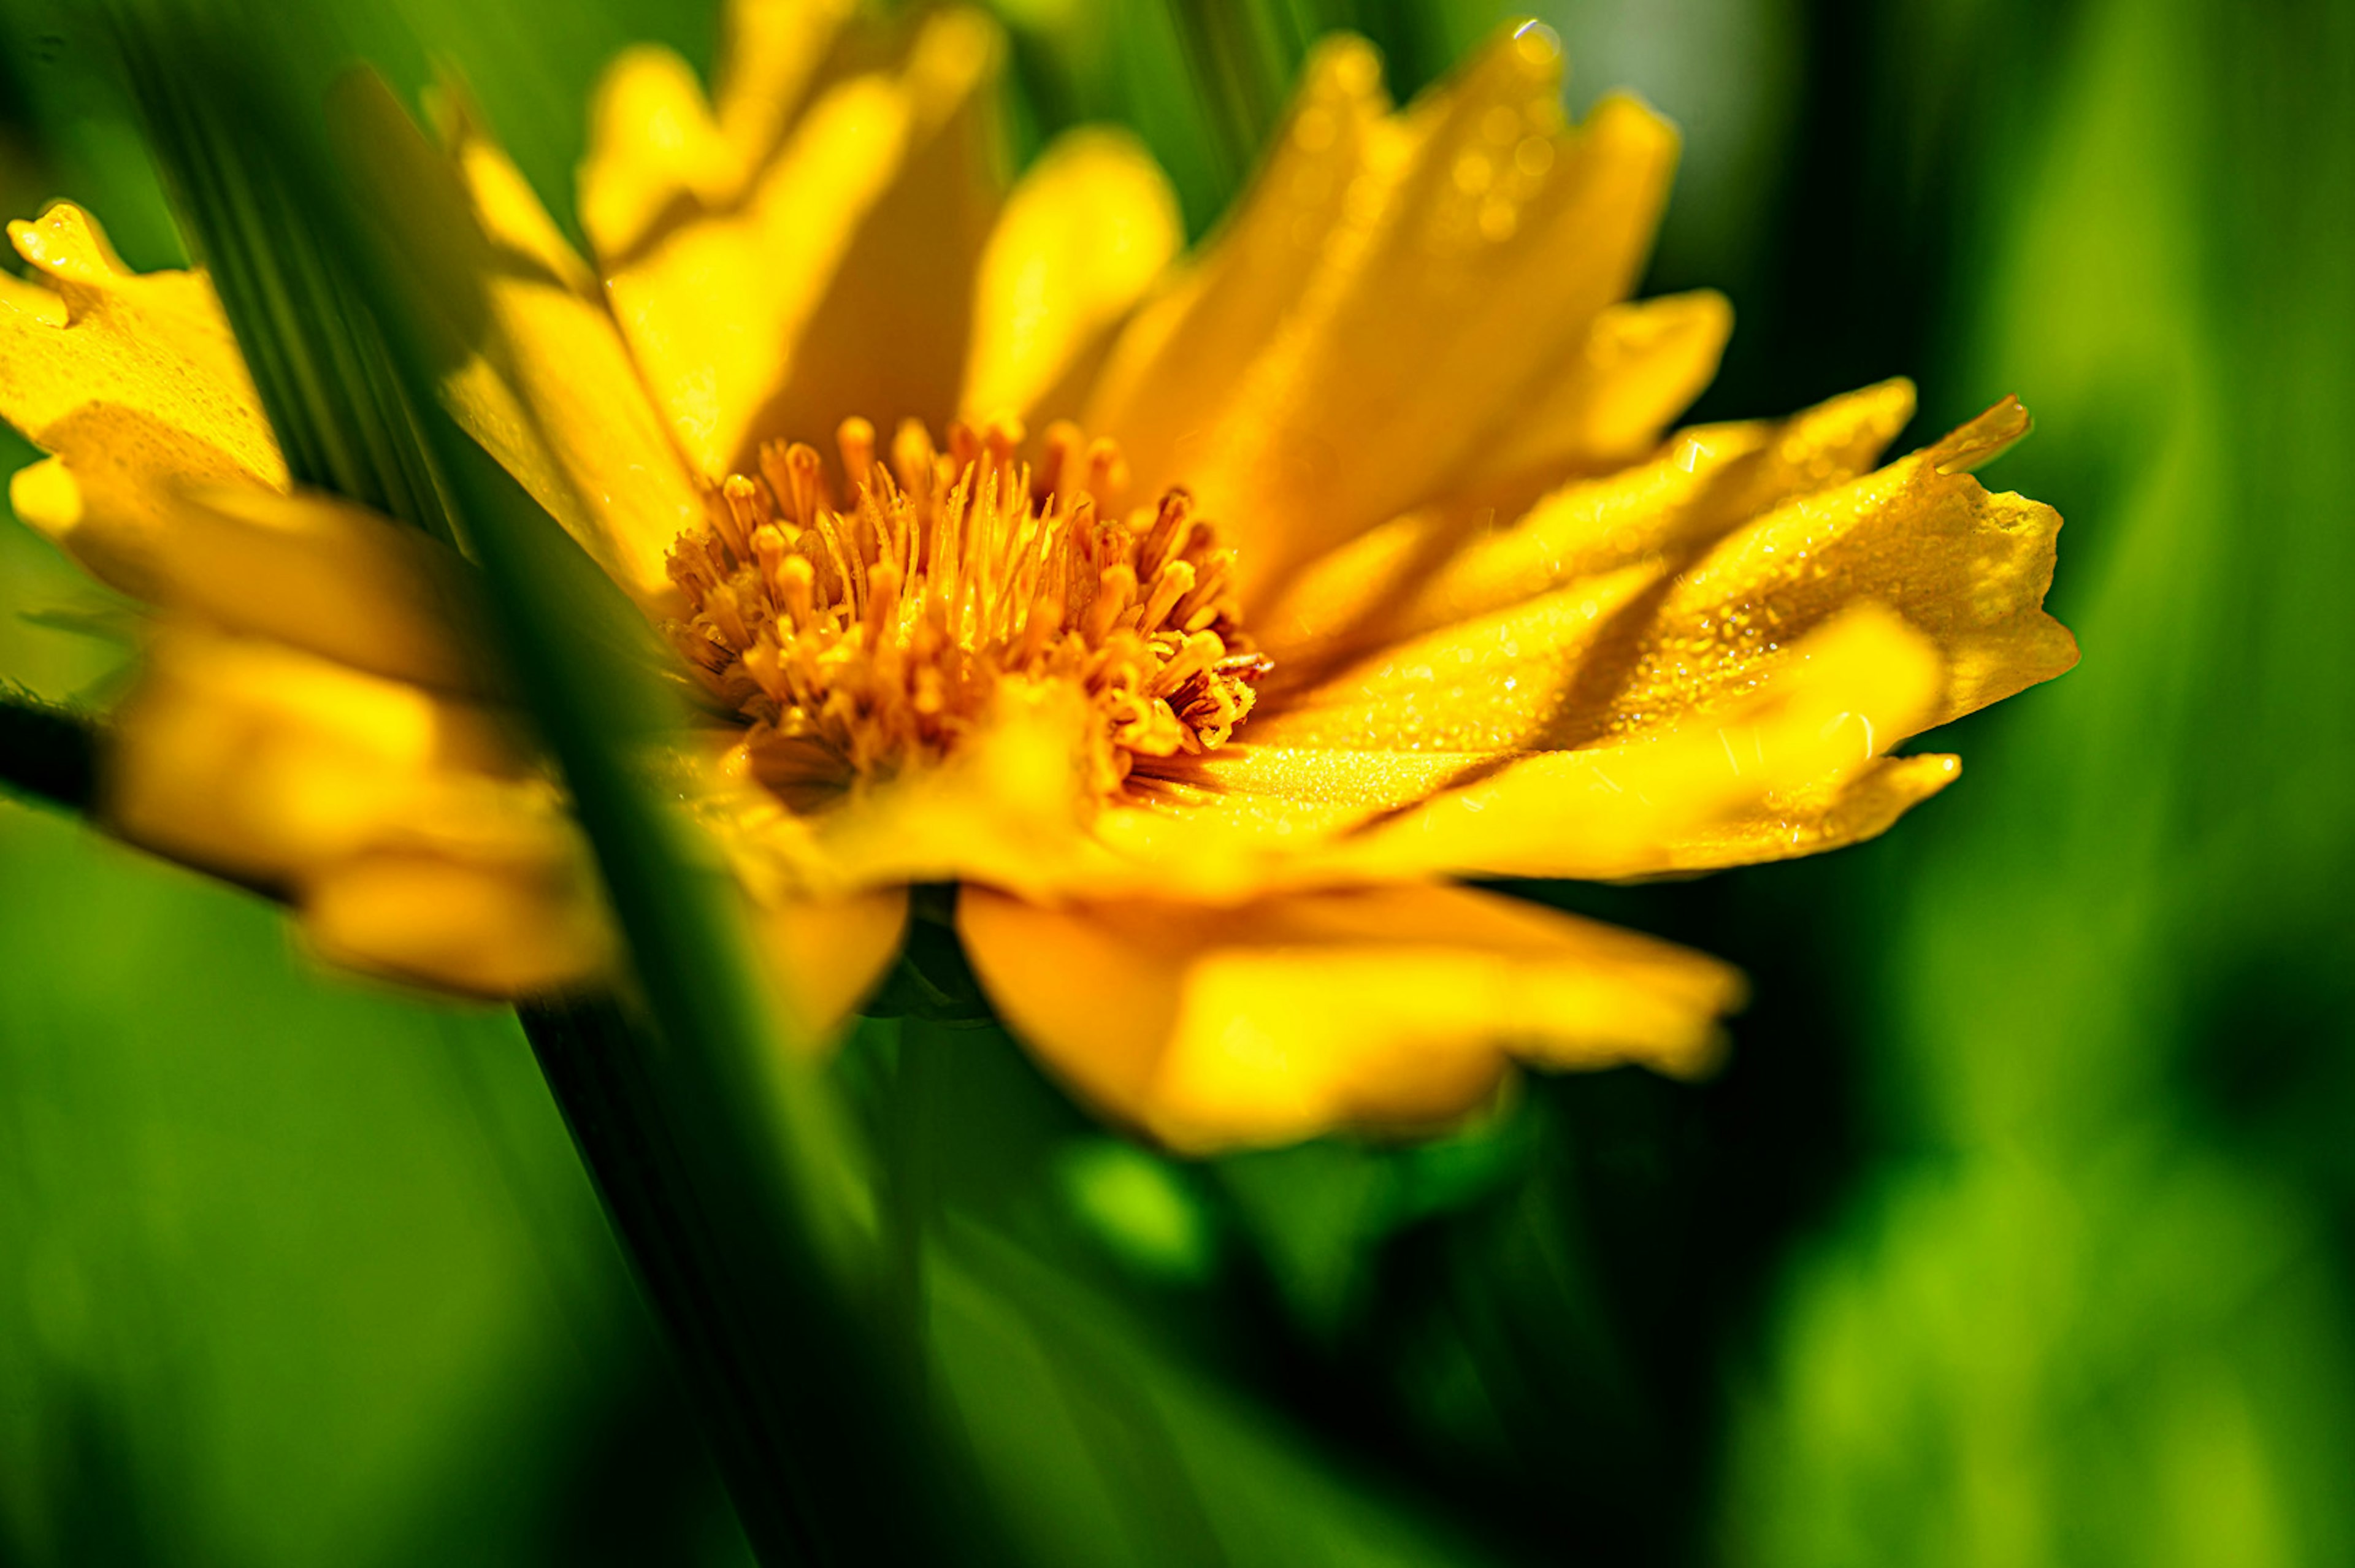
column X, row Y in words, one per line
column 1176, row 580
column 1201, row 652
column 1107, row 470
column 1169, row 534
column 1114, row 590
column 1003, row 439
column 806, row 472
column 912, row 460
column 854, row 438
column 964, row 446
column 742, row 508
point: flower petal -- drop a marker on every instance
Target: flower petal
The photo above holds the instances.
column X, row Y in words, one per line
column 713, row 308
column 1007, row 807
column 1302, row 1014
column 488, row 930
column 1640, row 366
column 1647, row 625
column 1792, row 766
column 1178, row 359
column 1419, row 573
column 1968, row 568
column 888, row 338
column 1471, row 255
column 323, row 576
column 829, row 954
column 658, row 151
column 133, row 382
column 539, row 375
column 395, row 820
column 878, row 202
column 1087, row 230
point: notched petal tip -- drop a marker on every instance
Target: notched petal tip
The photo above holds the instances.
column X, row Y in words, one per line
column 67, row 244
column 1983, row 440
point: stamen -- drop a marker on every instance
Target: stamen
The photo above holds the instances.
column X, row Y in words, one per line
column 874, row 628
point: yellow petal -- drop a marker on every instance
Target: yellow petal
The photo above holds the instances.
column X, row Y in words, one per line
column 1007, row 807
column 829, row 954
column 396, row 821
column 658, row 151
column 1420, row 573
column 1473, row 253
column 539, row 375
column 1298, row 1015
column 265, row 763
column 1640, row 366
column 1177, row 361
column 713, row 306
column 133, row 382
column 888, row 338
column 488, row 930
column 1968, row 568
column 1843, row 807
column 1086, row 231
column 322, row 576
column 1623, row 645
column 1777, row 763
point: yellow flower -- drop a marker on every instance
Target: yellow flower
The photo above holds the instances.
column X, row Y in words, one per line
column 1201, row 618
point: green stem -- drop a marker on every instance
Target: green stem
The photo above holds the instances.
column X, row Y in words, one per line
column 719, row 1151
column 794, row 1409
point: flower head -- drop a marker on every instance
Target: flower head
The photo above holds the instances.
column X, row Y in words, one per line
column 1375, row 570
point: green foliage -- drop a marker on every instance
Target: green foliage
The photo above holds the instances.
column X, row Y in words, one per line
column 2101, row 1312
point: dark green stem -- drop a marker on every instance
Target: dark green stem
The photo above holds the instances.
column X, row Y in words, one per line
column 719, row 1151
column 796, row 1407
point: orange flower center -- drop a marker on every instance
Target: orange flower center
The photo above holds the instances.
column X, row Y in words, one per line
column 864, row 627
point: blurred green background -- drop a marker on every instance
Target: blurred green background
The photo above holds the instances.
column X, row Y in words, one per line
column 2018, row 1233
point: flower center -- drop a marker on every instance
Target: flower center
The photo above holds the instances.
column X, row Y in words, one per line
column 862, row 628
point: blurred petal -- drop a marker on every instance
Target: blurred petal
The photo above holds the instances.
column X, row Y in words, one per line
column 1087, row 230
column 1178, row 360
column 841, row 281
column 653, row 144
column 713, row 308
column 658, row 151
column 887, row 338
column 397, row 821
column 323, row 576
column 541, row 377
column 255, row 759
column 829, row 954
column 1472, row 252
column 493, row 930
column 1299, row 1015
column 133, row 382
